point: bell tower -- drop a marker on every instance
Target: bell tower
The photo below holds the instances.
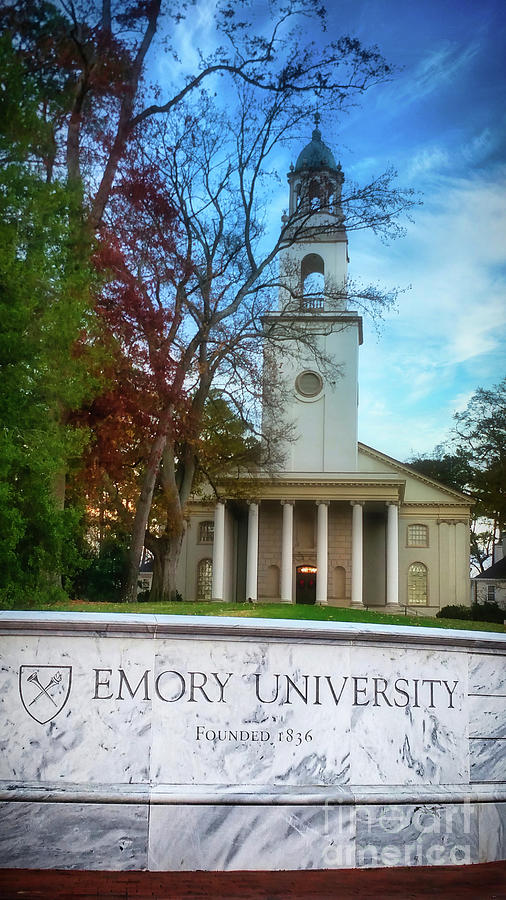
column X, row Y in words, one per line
column 321, row 387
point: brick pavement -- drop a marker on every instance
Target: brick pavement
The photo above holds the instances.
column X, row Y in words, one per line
column 479, row 882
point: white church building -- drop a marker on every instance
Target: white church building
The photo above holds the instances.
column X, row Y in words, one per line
column 340, row 523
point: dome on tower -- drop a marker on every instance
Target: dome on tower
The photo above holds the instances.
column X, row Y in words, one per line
column 316, row 155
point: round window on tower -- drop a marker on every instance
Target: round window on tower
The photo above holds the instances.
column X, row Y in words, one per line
column 308, row 384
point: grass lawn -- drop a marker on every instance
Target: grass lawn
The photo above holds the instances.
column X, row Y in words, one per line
column 271, row 611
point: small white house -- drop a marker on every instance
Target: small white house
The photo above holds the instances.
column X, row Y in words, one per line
column 490, row 586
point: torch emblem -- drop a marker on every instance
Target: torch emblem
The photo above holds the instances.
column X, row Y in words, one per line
column 44, row 690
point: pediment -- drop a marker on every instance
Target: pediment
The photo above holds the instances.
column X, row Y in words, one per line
column 419, row 488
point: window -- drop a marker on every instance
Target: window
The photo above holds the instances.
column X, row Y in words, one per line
column 491, row 593
column 308, row 384
column 417, row 583
column 204, row 579
column 313, row 289
column 312, row 278
column 418, row 536
column 206, row 532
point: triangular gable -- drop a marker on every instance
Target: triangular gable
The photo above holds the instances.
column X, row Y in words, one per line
column 419, row 488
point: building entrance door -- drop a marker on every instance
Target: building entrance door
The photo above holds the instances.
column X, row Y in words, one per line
column 306, row 584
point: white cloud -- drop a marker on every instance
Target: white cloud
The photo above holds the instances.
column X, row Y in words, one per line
column 449, row 334
column 427, row 160
column 439, row 66
column 194, row 35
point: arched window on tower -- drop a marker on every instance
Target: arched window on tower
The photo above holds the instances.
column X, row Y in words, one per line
column 313, row 282
column 316, row 200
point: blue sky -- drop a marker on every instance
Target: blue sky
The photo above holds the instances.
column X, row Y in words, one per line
column 441, row 122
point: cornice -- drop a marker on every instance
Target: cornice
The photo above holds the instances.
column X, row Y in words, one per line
column 315, row 317
column 439, row 504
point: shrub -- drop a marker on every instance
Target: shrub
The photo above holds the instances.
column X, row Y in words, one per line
column 454, row 612
column 478, row 612
column 489, row 611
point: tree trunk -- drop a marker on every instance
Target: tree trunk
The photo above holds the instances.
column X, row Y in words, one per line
column 142, row 514
column 167, row 553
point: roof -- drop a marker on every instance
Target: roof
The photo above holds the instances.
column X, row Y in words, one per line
column 316, row 154
column 498, row 570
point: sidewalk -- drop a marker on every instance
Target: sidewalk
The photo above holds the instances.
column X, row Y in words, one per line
column 480, row 882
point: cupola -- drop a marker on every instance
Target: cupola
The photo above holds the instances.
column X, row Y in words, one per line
column 316, row 181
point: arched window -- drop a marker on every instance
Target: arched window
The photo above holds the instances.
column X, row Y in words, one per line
column 418, row 536
column 314, row 284
column 417, row 583
column 206, row 532
column 204, row 579
column 315, row 195
column 312, row 276
column 312, row 262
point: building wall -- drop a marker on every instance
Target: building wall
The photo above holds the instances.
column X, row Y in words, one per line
column 269, row 549
column 192, row 552
column 446, row 558
column 339, row 554
column 374, row 587
column 325, row 426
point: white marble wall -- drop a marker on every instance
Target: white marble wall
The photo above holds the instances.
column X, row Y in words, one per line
column 223, row 749
column 73, row 836
column 88, row 741
column 236, row 712
column 487, row 717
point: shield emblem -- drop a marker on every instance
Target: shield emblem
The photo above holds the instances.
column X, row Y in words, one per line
column 44, row 690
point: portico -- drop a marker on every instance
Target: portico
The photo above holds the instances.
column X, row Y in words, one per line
column 283, row 533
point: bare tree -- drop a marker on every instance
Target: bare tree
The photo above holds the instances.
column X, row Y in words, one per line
column 212, row 293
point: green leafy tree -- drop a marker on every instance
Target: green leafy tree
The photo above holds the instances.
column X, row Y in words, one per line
column 480, row 432
column 44, row 303
column 474, row 461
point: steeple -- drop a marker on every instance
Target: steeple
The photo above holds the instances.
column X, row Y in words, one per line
column 313, row 267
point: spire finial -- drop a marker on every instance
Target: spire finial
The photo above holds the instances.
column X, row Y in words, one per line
column 317, row 135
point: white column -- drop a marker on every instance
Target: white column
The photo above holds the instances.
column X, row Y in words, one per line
column 287, row 551
column 392, row 553
column 322, row 552
column 218, row 551
column 357, row 564
column 252, row 553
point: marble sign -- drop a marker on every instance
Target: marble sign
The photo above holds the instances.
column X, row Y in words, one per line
column 227, row 712
column 211, row 720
